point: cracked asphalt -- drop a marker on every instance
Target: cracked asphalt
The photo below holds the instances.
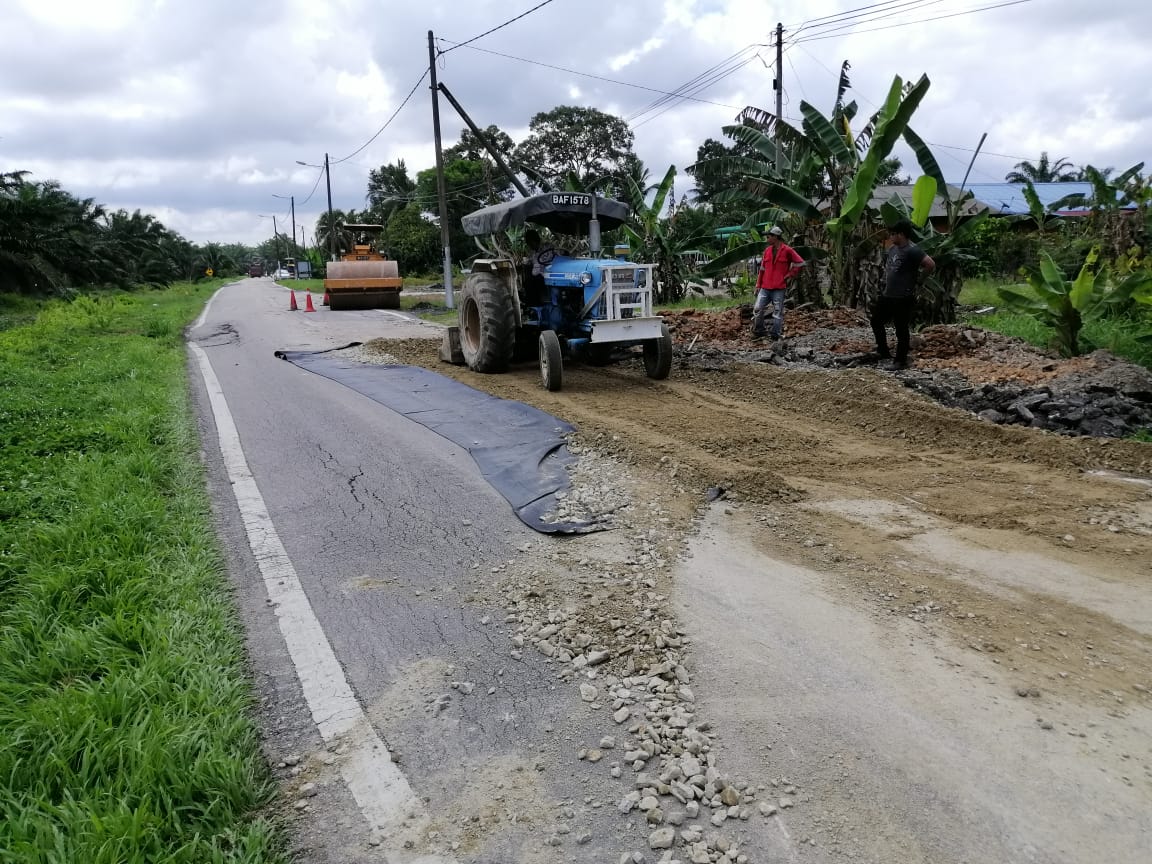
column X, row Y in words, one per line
column 387, row 526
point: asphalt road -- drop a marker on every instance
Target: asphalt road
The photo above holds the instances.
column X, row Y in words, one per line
column 385, row 524
column 895, row 741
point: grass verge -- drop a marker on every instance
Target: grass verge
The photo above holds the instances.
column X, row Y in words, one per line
column 1120, row 335
column 125, row 714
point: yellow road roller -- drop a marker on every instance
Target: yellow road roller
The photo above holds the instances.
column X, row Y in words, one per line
column 363, row 278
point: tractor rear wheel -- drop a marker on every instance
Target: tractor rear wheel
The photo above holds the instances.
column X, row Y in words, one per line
column 487, row 323
column 551, row 361
column 658, row 355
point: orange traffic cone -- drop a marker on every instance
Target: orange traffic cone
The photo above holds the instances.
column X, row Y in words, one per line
column 308, row 307
column 292, row 307
column 327, row 301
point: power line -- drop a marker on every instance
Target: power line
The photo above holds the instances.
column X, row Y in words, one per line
column 687, row 94
column 807, row 21
column 846, row 19
column 690, row 85
column 933, row 143
column 917, row 21
column 851, row 23
column 314, row 187
column 798, row 81
column 497, row 27
column 387, row 122
column 597, row 77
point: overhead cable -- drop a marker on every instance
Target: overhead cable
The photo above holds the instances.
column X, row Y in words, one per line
column 497, row 27
column 834, row 35
column 387, row 122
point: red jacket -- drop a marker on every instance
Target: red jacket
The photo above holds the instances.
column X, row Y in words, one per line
column 775, row 266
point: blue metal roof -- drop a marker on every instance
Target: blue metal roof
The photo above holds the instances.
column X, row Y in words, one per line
column 1008, row 198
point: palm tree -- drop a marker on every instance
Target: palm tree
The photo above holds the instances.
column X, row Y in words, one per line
column 50, row 241
column 1044, row 171
column 334, row 227
column 389, row 189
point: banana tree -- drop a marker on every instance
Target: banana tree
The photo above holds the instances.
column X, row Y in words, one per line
column 852, row 241
column 653, row 237
column 822, row 166
column 1112, row 226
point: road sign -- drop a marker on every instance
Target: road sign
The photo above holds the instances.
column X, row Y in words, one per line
column 209, row 272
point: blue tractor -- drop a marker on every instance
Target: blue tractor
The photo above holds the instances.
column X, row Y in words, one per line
column 588, row 308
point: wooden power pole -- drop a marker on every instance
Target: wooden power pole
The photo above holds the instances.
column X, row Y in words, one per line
column 440, row 186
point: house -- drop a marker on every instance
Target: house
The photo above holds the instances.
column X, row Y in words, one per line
column 1007, row 199
column 938, row 215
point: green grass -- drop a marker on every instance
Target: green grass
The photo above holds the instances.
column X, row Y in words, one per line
column 17, row 310
column 699, row 301
column 1121, row 336
column 125, row 713
column 983, row 292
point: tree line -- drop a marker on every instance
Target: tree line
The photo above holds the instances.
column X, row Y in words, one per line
column 53, row 242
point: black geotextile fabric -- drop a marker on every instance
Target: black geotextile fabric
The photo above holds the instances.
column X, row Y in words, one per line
column 519, row 449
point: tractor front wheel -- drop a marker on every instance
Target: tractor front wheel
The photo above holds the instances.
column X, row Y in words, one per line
column 658, row 355
column 551, row 362
column 487, row 323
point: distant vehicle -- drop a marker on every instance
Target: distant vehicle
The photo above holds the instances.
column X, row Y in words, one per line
column 255, row 270
column 282, row 274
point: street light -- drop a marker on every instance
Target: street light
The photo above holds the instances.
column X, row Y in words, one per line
column 292, row 200
column 328, row 182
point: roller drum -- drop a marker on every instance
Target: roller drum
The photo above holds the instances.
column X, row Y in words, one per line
column 363, row 270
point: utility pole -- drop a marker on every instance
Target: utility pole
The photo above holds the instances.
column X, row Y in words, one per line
column 292, row 201
column 779, row 82
column 276, row 234
column 443, row 193
column 331, row 227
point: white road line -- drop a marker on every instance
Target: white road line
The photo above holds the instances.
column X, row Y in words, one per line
column 199, row 322
column 381, row 790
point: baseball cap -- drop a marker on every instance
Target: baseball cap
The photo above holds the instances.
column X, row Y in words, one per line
column 776, row 230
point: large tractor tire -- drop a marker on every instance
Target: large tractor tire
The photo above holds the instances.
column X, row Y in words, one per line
column 658, row 355
column 487, row 323
column 551, row 361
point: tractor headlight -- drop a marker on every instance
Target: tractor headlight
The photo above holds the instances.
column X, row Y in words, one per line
column 585, row 278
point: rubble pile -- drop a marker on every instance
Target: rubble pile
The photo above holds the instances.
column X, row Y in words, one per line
column 1097, row 409
column 999, row 378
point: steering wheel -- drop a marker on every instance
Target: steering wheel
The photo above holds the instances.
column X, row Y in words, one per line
column 545, row 256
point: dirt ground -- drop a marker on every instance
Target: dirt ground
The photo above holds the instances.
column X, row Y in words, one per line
column 774, row 435
column 1021, row 552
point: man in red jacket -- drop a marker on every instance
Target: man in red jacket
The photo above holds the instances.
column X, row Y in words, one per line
column 778, row 267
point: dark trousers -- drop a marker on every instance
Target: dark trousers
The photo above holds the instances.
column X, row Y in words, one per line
column 899, row 311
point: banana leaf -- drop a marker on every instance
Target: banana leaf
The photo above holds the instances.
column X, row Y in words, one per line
column 894, row 117
column 821, row 131
column 927, row 161
column 923, row 197
column 781, row 196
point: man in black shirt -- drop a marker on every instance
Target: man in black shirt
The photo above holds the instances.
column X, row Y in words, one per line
column 902, row 265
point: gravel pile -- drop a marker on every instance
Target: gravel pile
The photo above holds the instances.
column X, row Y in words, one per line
column 612, row 635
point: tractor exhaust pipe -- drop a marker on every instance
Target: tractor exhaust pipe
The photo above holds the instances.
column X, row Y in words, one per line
column 594, row 231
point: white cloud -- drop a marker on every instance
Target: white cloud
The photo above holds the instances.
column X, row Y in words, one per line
column 197, row 110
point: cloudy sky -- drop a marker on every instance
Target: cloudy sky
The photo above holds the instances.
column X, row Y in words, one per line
column 198, row 110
